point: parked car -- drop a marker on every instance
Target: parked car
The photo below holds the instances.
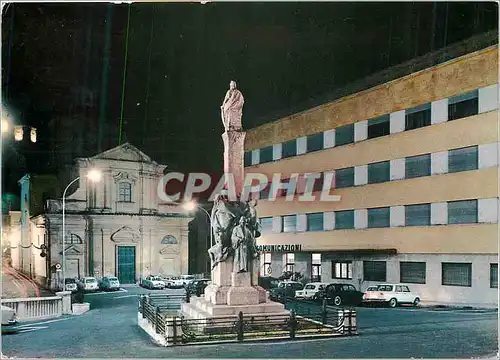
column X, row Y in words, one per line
column 70, row 284
column 340, row 294
column 392, row 295
column 88, row 283
column 310, row 291
column 197, row 287
column 183, row 280
column 109, row 283
column 9, row 318
column 285, row 289
column 168, row 281
column 268, row 282
column 153, row 282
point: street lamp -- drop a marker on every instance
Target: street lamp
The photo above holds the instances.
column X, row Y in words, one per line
column 190, row 206
column 5, row 125
column 94, row 176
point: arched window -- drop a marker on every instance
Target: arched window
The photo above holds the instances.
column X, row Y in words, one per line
column 169, row 239
column 125, row 192
column 73, row 239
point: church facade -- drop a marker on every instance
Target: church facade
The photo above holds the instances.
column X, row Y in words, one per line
column 116, row 226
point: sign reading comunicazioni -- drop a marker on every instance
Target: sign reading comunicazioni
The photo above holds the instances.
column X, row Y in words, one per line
column 280, row 248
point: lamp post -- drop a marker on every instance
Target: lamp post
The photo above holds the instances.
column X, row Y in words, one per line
column 94, row 176
column 190, row 206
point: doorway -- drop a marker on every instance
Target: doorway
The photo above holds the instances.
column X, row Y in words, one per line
column 125, row 264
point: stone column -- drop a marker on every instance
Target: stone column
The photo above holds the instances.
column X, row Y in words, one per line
column 233, row 156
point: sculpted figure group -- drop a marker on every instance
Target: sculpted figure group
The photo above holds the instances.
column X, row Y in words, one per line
column 235, row 226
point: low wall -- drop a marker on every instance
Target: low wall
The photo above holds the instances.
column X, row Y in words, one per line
column 40, row 308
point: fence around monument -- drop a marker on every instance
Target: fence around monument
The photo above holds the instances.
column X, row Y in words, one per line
column 162, row 314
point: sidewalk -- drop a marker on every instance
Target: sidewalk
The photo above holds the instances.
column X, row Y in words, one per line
column 18, row 285
column 458, row 306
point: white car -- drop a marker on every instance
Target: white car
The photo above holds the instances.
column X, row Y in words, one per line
column 169, row 281
column 183, row 280
column 153, row 282
column 9, row 316
column 310, row 290
column 88, row 283
column 391, row 294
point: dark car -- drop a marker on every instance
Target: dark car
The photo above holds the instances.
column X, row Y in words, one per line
column 268, row 282
column 341, row 294
column 285, row 289
column 197, row 287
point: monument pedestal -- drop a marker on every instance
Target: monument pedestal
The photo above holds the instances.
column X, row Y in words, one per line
column 229, row 293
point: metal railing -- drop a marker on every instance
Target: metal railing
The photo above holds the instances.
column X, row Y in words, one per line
column 39, row 308
column 162, row 312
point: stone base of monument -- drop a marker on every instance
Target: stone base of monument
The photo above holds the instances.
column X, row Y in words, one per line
column 225, row 299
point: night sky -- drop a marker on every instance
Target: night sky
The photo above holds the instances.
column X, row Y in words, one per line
column 181, row 57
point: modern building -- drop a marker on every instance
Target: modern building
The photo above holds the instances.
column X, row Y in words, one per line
column 415, row 163
column 115, row 226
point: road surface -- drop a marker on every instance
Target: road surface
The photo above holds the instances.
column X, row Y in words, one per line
column 110, row 330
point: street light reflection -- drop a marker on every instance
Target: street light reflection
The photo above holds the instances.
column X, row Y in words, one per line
column 5, row 126
column 94, row 175
column 189, row 206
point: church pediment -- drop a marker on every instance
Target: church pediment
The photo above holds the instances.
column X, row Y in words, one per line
column 170, row 249
column 71, row 250
column 125, row 176
column 125, row 152
column 125, row 235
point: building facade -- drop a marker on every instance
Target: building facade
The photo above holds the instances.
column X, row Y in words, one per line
column 115, row 226
column 415, row 163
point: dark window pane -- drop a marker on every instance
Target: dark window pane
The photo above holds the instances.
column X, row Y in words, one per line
column 494, row 275
column 412, row 272
column 457, row 274
column 341, row 269
column 344, row 219
column 315, row 142
column 418, row 215
column 266, row 154
column 462, row 212
column 463, row 105
column 267, row 224
column 264, row 193
column 379, row 217
column 344, row 177
column 318, row 182
column 248, row 158
column 289, row 223
column 418, row 117
column 378, row 127
column 315, row 222
column 379, row 172
column 374, row 271
column 289, row 148
column 463, row 159
column 417, row 166
column 344, row 135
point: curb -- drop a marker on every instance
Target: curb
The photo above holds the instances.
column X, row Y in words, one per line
column 458, row 307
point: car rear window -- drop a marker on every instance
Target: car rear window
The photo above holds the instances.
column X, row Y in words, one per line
column 385, row 288
column 113, row 279
column 70, row 281
column 372, row 288
column 90, row 281
column 309, row 287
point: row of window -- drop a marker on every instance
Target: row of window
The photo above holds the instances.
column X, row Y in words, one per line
column 461, row 106
column 459, row 212
column 463, row 159
column 414, row 272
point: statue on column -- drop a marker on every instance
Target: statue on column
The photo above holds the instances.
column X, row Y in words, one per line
column 232, row 108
